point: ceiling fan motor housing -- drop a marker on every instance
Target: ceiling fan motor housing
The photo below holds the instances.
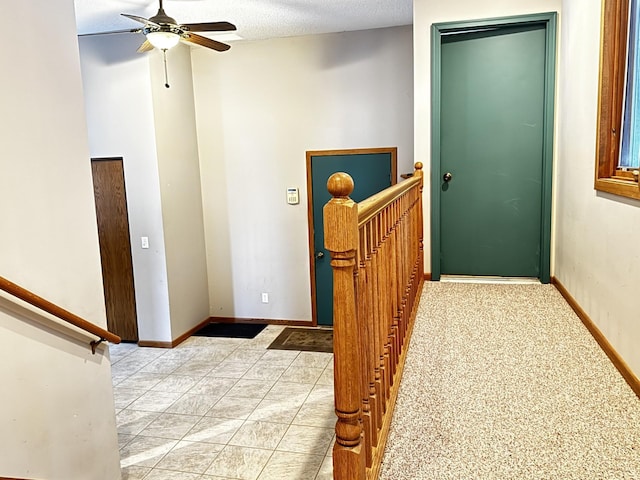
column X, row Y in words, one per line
column 161, row 18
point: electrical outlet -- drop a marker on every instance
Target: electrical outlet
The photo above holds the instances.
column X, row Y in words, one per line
column 265, row 297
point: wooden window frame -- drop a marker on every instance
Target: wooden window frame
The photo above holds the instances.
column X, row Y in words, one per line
column 613, row 57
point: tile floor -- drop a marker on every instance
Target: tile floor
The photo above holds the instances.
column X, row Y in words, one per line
column 220, row 408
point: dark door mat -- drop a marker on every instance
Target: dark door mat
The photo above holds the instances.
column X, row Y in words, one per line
column 230, row 330
column 304, row 339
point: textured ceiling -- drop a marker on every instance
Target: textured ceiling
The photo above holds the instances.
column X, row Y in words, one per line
column 255, row 19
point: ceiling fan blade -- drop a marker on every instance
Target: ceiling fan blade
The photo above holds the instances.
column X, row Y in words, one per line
column 209, row 27
column 205, row 42
column 129, row 30
column 145, row 47
column 146, row 21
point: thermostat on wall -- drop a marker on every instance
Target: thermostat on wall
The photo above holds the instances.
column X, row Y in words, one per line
column 292, row 196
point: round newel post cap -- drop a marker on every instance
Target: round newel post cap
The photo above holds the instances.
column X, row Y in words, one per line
column 418, row 165
column 340, row 185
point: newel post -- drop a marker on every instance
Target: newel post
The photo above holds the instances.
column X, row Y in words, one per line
column 341, row 239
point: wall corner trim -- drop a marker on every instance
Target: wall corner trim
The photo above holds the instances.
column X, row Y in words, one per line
column 177, row 341
column 599, row 337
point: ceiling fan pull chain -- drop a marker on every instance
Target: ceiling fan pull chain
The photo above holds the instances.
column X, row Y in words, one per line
column 166, row 75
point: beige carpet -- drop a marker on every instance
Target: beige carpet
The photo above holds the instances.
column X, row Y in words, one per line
column 504, row 382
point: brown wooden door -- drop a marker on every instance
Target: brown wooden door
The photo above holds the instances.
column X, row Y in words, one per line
column 115, row 247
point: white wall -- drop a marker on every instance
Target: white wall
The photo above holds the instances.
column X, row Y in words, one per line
column 426, row 13
column 58, row 416
column 260, row 107
column 597, row 235
column 132, row 115
column 179, row 170
column 119, row 106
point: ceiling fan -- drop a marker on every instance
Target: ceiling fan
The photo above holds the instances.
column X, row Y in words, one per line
column 163, row 32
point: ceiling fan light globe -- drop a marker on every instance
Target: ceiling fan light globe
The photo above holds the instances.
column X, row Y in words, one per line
column 163, row 40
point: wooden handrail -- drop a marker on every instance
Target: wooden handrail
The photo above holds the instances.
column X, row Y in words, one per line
column 377, row 260
column 43, row 304
column 371, row 206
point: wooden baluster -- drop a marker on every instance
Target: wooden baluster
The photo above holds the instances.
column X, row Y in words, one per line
column 386, row 309
column 395, row 260
column 401, row 258
column 400, row 262
column 390, row 253
column 408, row 264
column 419, row 226
column 391, row 285
column 372, row 292
column 385, row 294
column 409, row 267
column 413, row 242
column 377, row 262
column 341, row 239
column 380, row 289
column 418, row 269
column 420, row 219
column 407, row 227
column 420, row 236
column 375, row 384
column 391, row 271
column 363, row 314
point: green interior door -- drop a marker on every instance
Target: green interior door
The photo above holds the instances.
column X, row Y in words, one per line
column 491, row 151
column 371, row 173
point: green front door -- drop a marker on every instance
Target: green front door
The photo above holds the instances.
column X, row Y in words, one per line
column 372, row 171
column 491, row 179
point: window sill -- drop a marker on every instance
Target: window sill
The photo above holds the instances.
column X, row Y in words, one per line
column 617, row 186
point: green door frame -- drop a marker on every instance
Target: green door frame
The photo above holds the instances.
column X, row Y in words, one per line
column 549, row 20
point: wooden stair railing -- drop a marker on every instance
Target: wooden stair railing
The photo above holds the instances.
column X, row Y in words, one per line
column 43, row 304
column 377, row 259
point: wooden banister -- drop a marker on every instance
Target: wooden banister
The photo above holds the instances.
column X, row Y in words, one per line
column 374, row 204
column 43, row 304
column 377, row 259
